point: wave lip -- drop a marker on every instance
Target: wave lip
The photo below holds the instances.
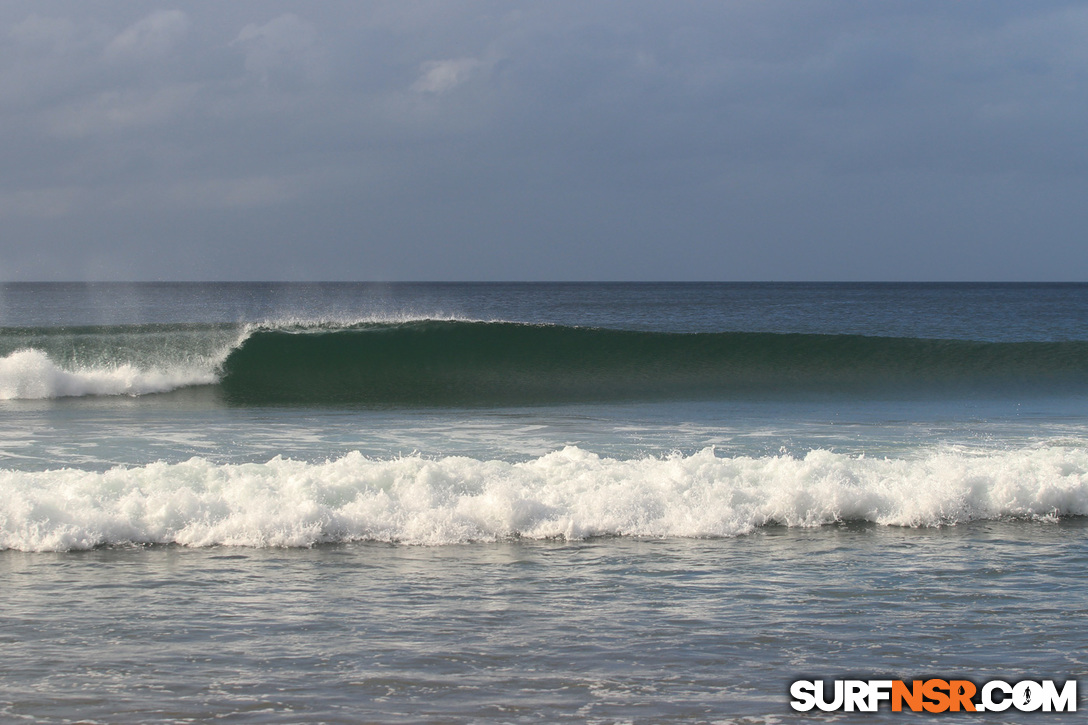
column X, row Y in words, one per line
column 569, row 494
column 502, row 363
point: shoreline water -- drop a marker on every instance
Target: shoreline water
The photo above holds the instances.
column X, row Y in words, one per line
column 604, row 630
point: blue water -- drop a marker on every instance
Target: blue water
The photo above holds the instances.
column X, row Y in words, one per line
column 174, row 554
column 969, row 311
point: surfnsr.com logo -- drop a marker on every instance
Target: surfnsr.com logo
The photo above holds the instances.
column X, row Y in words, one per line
column 934, row 695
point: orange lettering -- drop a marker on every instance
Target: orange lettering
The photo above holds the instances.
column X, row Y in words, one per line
column 961, row 692
column 934, row 690
column 913, row 696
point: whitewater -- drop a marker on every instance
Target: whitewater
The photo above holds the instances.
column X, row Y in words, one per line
column 569, row 494
column 32, row 375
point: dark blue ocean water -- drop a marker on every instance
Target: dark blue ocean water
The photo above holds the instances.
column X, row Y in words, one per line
column 681, row 498
column 969, row 311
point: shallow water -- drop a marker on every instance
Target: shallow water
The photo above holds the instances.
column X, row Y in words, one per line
column 605, row 630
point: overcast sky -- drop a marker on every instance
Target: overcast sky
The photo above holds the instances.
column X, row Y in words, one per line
column 558, row 140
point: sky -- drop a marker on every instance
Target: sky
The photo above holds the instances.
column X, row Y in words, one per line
column 558, row 140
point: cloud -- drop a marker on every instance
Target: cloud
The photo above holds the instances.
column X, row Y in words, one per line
column 195, row 194
column 152, row 37
column 284, row 45
column 113, row 111
column 254, row 191
column 50, row 203
column 442, row 76
column 53, row 34
column 656, row 134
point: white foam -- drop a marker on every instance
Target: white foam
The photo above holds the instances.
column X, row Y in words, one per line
column 570, row 493
column 31, row 374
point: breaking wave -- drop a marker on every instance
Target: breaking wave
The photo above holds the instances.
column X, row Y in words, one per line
column 460, row 362
column 31, row 374
column 570, row 494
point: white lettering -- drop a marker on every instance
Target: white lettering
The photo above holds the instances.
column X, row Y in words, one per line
column 879, row 690
column 1066, row 701
column 804, row 697
column 993, row 696
column 856, row 695
column 824, row 704
column 987, row 696
column 1027, row 696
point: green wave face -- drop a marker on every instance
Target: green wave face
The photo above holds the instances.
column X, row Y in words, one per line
column 441, row 363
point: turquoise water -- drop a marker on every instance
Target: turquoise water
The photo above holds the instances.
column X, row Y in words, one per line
column 533, row 503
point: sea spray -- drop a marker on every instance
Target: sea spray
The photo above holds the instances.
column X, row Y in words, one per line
column 126, row 360
column 30, row 374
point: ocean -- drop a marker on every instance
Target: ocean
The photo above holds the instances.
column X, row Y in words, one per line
column 602, row 503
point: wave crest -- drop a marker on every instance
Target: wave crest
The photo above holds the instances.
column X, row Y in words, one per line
column 568, row 494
